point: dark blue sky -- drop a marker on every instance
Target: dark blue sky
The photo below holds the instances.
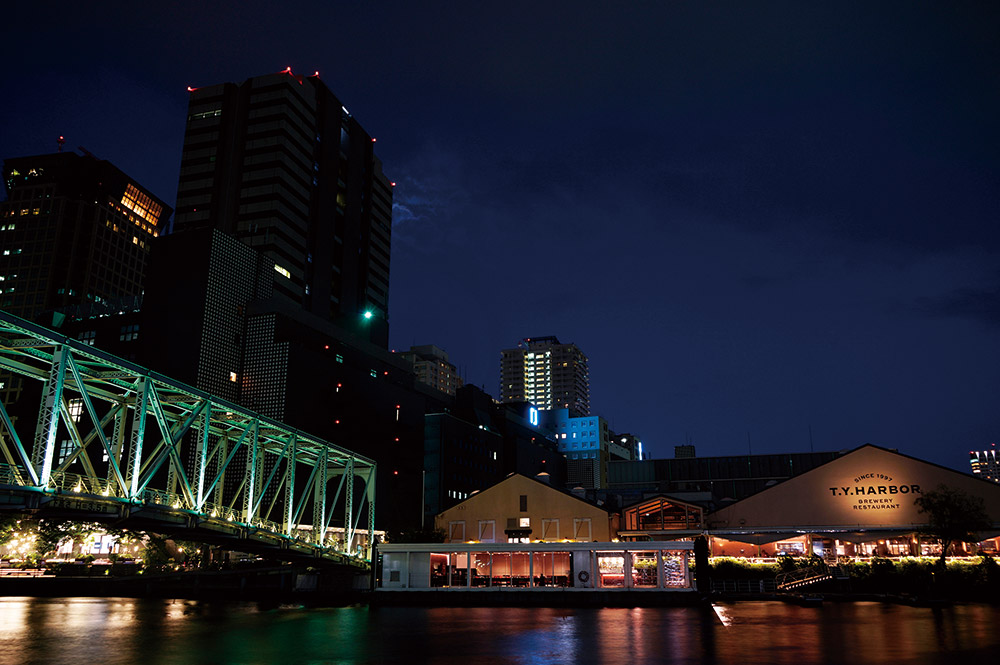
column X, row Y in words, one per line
column 754, row 218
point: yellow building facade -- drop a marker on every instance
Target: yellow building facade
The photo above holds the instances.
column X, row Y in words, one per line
column 522, row 509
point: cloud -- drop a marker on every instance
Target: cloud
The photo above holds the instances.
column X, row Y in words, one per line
column 980, row 304
column 430, row 182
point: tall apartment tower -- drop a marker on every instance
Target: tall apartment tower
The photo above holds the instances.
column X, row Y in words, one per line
column 547, row 373
column 432, row 367
column 278, row 162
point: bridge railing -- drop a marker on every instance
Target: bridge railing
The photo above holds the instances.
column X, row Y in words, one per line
column 163, row 498
column 215, row 511
column 74, row 482
column 11, row 475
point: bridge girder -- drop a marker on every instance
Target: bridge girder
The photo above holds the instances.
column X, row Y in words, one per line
column 169, row 445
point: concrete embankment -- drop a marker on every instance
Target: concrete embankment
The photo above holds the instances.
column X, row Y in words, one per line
column 504, row 597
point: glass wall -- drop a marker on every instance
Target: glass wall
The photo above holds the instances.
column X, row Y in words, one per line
column 439, row 570
column 520, row 569
column 644, row 570
column 480, row 569
column 674, row 570
column 459, row 568
column 611, row 569
column 501, row 569
column 659, row 514
column 510, row 568
column 552, row 569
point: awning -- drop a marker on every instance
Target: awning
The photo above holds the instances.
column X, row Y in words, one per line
column 518, row 533
column 757, row 538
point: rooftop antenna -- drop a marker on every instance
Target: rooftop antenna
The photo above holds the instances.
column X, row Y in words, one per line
column 60, row 142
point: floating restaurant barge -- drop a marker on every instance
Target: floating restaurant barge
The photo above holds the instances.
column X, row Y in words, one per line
column 540, row 573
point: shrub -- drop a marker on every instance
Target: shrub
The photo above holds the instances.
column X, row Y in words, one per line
column 731, row 568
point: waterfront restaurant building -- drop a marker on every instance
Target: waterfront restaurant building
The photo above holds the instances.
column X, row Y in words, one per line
column 536, row 566
column 522, row 509
column 860, row 504
column 524, row 534
column 521, row 533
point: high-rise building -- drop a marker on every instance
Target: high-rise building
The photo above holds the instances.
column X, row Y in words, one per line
column 546, row 373
column 432, row 368
column 278, row 162
column 74, row 230
column 985, row 463
column 218, row 325
column 75, row 233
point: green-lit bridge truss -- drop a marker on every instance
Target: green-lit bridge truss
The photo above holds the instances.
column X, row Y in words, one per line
column 158, row 454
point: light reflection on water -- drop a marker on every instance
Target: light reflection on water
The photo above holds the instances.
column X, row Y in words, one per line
column 154, row 632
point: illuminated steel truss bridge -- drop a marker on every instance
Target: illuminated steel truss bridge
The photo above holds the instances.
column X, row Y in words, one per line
column 160, row 455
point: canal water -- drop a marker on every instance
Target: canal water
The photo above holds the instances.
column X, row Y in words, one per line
column 111, row 631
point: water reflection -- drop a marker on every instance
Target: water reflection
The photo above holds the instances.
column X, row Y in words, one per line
column 153, row 632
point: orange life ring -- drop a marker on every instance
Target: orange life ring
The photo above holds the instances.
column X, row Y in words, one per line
column 583, row 576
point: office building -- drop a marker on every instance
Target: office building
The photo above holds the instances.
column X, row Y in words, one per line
column 476, row 441
column 279, row 163
column 546, row 373
column 432, row 368
column 589, row 445
column 75, row 232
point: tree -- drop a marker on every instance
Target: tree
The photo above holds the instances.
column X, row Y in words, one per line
column 8, row 527
column 953, row 516
column 52, row 532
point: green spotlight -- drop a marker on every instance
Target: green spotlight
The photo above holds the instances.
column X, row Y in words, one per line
column 368, row 314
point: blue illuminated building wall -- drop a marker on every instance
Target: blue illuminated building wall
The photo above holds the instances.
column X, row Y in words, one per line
column 588, row 445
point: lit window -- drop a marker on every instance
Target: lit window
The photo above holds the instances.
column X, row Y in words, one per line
column 232, row 377
column 281, row 270
column 215, row 113
column 76, row 409
column 141, row 204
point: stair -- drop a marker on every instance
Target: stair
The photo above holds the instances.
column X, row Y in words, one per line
column 803, row 577
column 839, row 573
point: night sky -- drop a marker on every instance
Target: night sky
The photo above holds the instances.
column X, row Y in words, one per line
column 756, row 219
